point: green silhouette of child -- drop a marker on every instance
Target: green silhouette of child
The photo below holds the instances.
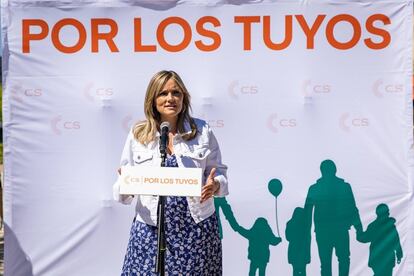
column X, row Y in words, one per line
column 299, row 239
column 260, row 237
column 385, row 244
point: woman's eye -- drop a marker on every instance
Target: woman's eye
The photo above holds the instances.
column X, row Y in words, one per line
column 176, row 93
column 163, row 94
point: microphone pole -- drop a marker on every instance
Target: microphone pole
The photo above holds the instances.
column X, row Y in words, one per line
column 160, row 262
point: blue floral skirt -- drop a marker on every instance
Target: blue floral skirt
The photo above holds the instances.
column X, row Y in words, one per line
column 192, row 248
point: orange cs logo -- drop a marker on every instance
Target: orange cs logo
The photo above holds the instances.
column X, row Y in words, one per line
column 131, row 180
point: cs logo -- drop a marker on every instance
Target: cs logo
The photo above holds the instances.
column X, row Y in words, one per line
column 214, row 123
column 236, row 89
column 346, row 122
column 127, row 122
column 91, row 93
column 274, row 123
column 380, row 88
column 33, row 92
column 309, row 88
column 58, row 125
column 18, row 93
column 131, row 180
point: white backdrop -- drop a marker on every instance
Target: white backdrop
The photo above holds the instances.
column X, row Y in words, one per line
column 278, row 113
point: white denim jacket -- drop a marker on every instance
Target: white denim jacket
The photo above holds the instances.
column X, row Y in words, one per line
column 203, row 152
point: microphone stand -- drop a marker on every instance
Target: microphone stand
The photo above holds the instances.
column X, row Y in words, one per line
column 160, row 264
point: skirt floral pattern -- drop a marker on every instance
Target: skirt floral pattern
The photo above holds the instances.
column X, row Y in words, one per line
column 192, row 248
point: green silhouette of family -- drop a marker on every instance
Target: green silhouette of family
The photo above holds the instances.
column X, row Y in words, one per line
column 330, row 205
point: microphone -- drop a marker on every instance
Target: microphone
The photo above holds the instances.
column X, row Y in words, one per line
column 165, row 128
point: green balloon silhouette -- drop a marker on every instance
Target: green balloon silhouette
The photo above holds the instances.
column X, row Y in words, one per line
column 275, row 187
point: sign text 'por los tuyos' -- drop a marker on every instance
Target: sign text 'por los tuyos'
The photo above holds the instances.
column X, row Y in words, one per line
column 168, row 180
column 371, row 31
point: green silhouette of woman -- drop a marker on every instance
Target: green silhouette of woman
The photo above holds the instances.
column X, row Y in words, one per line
column 385, row 244
column 299, row 242
column 260, row 237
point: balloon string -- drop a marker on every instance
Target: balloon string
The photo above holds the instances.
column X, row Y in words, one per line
column 277, row 220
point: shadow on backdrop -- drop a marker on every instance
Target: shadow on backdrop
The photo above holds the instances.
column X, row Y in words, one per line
column 299, row 238
column 385, row 248
column 16, row 261
column 332, row 203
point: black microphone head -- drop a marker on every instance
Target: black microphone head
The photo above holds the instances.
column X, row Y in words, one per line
column 164, row 129
column 165, row 125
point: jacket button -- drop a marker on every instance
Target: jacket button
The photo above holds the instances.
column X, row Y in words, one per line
column 139, row 157
column 200, row 155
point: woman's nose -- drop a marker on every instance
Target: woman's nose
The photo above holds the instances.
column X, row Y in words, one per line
column 170, row 97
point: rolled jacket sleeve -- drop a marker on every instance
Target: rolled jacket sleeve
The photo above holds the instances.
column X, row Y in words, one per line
column 214, row 161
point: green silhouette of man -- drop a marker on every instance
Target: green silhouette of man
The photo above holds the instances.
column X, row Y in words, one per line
column 334, row 212
column 385, row 244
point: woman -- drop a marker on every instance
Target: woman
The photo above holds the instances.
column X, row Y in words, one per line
column 192, row 237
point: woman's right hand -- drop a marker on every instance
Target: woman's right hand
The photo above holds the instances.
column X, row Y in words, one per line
column 210, row 188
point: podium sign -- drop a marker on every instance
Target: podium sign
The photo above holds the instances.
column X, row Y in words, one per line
column 164, row 181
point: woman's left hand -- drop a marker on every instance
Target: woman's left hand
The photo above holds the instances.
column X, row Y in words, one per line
column 210, row 188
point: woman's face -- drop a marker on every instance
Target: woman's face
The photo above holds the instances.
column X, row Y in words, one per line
column 169, row 102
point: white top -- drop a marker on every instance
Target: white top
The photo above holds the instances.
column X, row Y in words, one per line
column 201, row 152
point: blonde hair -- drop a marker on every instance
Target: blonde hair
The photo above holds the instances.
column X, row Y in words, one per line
column 145, row 131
